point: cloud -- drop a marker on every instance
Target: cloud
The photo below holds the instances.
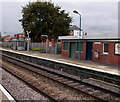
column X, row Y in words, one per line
column 61, row 0
column 97, row 17
column 11, row 13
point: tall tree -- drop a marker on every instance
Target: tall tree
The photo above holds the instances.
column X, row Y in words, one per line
column 44, row 18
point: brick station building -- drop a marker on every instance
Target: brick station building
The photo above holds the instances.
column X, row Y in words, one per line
column 95, row 48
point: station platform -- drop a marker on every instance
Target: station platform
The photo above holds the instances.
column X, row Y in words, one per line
column 5, row 96
column 108, row 68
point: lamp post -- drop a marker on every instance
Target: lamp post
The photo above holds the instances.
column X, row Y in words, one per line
column 28, row 40
column 46, row 41
column 80, row 20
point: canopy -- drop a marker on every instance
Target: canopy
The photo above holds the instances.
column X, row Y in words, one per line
column 19, row 40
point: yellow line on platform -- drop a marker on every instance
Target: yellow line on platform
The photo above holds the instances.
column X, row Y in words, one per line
column 77, row 63
column 98, row 67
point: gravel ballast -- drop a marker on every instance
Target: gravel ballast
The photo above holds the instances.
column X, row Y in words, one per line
column 18, row 89
column 36, row 77
column 48, row 87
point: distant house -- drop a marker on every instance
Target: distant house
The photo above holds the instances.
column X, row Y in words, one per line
column 75, row 31
column 16, row 37
column 7, row 38
column 19, row 36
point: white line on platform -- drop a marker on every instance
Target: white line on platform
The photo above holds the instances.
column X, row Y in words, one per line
column 10, row 98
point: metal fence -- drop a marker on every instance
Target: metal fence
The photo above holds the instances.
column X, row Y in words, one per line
column 24, row 45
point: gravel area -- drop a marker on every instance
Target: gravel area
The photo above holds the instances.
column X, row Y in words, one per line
column 93, row 82
column 49, row 87
column 18, row 89
column 85, row 80
column 103, row 85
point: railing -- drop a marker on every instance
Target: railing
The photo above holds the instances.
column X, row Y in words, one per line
column 23, row 46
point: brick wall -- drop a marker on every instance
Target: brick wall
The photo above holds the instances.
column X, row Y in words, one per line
column 76, row 55
column 83, row 54
column 65, row 53
column 109, row 58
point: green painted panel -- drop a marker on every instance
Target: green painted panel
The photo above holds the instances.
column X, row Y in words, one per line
column 65, row 45
column 72, row 50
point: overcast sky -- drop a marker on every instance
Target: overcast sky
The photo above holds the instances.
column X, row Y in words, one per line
column 97, row 17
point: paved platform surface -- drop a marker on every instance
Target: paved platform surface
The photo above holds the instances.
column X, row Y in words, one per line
column 2, row 96
column 5, row 96
column 94, row 65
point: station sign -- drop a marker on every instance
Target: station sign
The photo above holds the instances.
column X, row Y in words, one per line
column 97, row 42
column 117, row 48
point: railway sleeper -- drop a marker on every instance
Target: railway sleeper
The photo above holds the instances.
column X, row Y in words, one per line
column 59, row 78
column 117, row 99
column 105, row 95
column 88, row 90
column 95, row 92
column 81, row 86
column 63, row 80
column 68, row 82
column 56, row 77
column 74, row 84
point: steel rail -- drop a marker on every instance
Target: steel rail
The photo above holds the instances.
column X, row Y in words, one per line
column 31, row 86
column 53, row 79
column 98, row 99
column 88, row 72
column 45, row 69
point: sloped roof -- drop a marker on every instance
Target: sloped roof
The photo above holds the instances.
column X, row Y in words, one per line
column 7, row 38
column 74, row 27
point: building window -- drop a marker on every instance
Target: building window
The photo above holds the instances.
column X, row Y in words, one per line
column 105, row 48
column 65, row 45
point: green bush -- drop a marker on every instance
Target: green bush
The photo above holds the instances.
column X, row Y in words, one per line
column 37, row 49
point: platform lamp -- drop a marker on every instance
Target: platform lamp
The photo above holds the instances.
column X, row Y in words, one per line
column 46, row 41
column 80, row 20
column 28, row 32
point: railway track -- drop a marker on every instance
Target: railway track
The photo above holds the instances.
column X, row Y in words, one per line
column 88, row 89
column 36, row 84
column 20, row 90
column 74, row 70
column 12, row 72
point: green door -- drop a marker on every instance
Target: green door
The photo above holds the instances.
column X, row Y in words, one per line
column 72, row 50
column 79, row 49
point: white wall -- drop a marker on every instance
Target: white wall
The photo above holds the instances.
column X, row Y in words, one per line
column 76, row 32
column 100, row 36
